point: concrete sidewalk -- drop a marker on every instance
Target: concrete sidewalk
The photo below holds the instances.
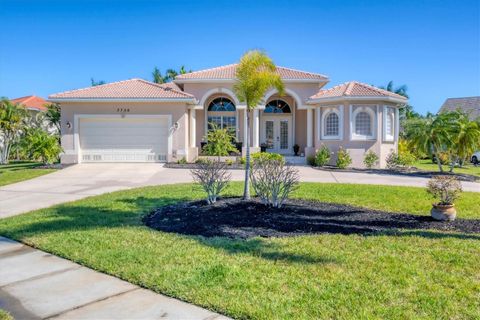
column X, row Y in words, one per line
column 38, row 285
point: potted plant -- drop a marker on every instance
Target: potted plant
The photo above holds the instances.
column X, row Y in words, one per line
column 296, row 148
column 444, row 189
column 263, row 147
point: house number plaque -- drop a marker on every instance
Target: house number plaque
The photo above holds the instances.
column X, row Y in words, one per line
column 122, row 110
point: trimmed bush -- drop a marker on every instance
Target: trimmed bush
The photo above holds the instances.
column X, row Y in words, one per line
column 311, row 161
column 343, row 158
column 322, row 157
column 370, row 160
column 212, row 176
column 392, row 161
column 220, row 143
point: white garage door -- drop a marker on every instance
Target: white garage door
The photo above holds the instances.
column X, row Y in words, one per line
column 123, row 139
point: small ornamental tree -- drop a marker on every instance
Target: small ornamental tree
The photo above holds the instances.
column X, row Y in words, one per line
column 444, row 189
column 39, row 144
column 322, row 157
column 343, row 158
column 370, row 160
column 212, row 176
column 273, row 180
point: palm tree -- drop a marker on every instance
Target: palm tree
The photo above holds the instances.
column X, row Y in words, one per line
column 170, row 75
column 466, row 134
column 431, row 135
column 256, row 73
column 401, row 90
column 157, row 76
column 96, row 83
column 12, row 121
column 183, row 70
column 53, row 115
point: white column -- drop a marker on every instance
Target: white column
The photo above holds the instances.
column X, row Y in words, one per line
column 397, row 125
column 193, row 129
column 256, row 126
column 309, row 128
column 245, row 128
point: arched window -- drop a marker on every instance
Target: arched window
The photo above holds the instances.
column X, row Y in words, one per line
column 221, row 104
column 363, row 124
column 277, row 106
column 222, row 115
column 331, row 124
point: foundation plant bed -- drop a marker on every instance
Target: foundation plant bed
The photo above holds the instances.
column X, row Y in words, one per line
column 409, row 172
column 397, row 274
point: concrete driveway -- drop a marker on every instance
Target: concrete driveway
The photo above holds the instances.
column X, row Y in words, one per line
column 84, row 180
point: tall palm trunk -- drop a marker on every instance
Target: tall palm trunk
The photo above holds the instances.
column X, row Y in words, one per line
column 246, row 188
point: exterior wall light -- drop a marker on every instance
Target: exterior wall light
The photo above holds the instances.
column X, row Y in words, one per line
column 69, row 125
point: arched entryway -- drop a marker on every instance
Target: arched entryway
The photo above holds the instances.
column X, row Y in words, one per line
column 276, row 125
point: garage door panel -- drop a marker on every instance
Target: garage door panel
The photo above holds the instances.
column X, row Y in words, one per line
column 124, row 139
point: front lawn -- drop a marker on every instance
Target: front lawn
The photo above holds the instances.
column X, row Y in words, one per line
column 20, row 171
column 395, row 275
column 428, row 165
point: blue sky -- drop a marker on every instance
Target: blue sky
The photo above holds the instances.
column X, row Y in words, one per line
column 432, row 46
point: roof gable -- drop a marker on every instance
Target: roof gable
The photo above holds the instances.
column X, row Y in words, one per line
column 228, row 72
column 127, row 89
column 470, row 105
column 355, row 89
column 31, row 102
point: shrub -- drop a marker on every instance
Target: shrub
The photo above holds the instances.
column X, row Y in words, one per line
column 445, row 189
column 262, row 156
column 370, row 160
column 229, row 162
column 311, row 161
column 182, row 161
column 406, row 157
column 273, row 180
column 343, row 158
column 220, row 143
column 322, row 157
column 212, row 176
column 392, row 160
column 39, row 144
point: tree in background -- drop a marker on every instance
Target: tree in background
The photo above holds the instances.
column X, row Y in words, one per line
column 401, row 90
column 256, row 73
column 170, row 74
column 40, row 145
column 12, row 122
column 432, row 135
column 96, row 83
column 52, row 115
column 465, row 136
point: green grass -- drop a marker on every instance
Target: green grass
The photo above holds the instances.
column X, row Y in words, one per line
column 406, row 274
column 20, row 171
column 4, row 315
column 428, row 165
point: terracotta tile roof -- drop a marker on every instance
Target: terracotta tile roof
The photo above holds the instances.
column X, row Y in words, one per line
column 470, row 105
column 31, row 102
column 127, row 89
column 228, row 73
column 354, row 89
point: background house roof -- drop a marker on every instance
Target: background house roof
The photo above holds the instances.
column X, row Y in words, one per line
column 31, row 102
column 127, row 89
column 354, row 89
column 470, row 105
column 228, row 73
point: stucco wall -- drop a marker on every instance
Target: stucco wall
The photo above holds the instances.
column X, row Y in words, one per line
column 358, row 148
column 70, row 109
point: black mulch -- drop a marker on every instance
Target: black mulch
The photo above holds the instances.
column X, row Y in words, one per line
column 235, row 218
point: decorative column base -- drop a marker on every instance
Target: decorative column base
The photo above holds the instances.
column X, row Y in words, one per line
column 252, row 150
column 192, row 154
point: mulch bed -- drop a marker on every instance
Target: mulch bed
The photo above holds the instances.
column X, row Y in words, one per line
column 235, row 218
column 408, row 172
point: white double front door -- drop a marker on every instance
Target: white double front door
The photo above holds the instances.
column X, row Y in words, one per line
column 276, row 133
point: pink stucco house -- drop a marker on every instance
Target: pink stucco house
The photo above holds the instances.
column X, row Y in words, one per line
column 140, row 121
